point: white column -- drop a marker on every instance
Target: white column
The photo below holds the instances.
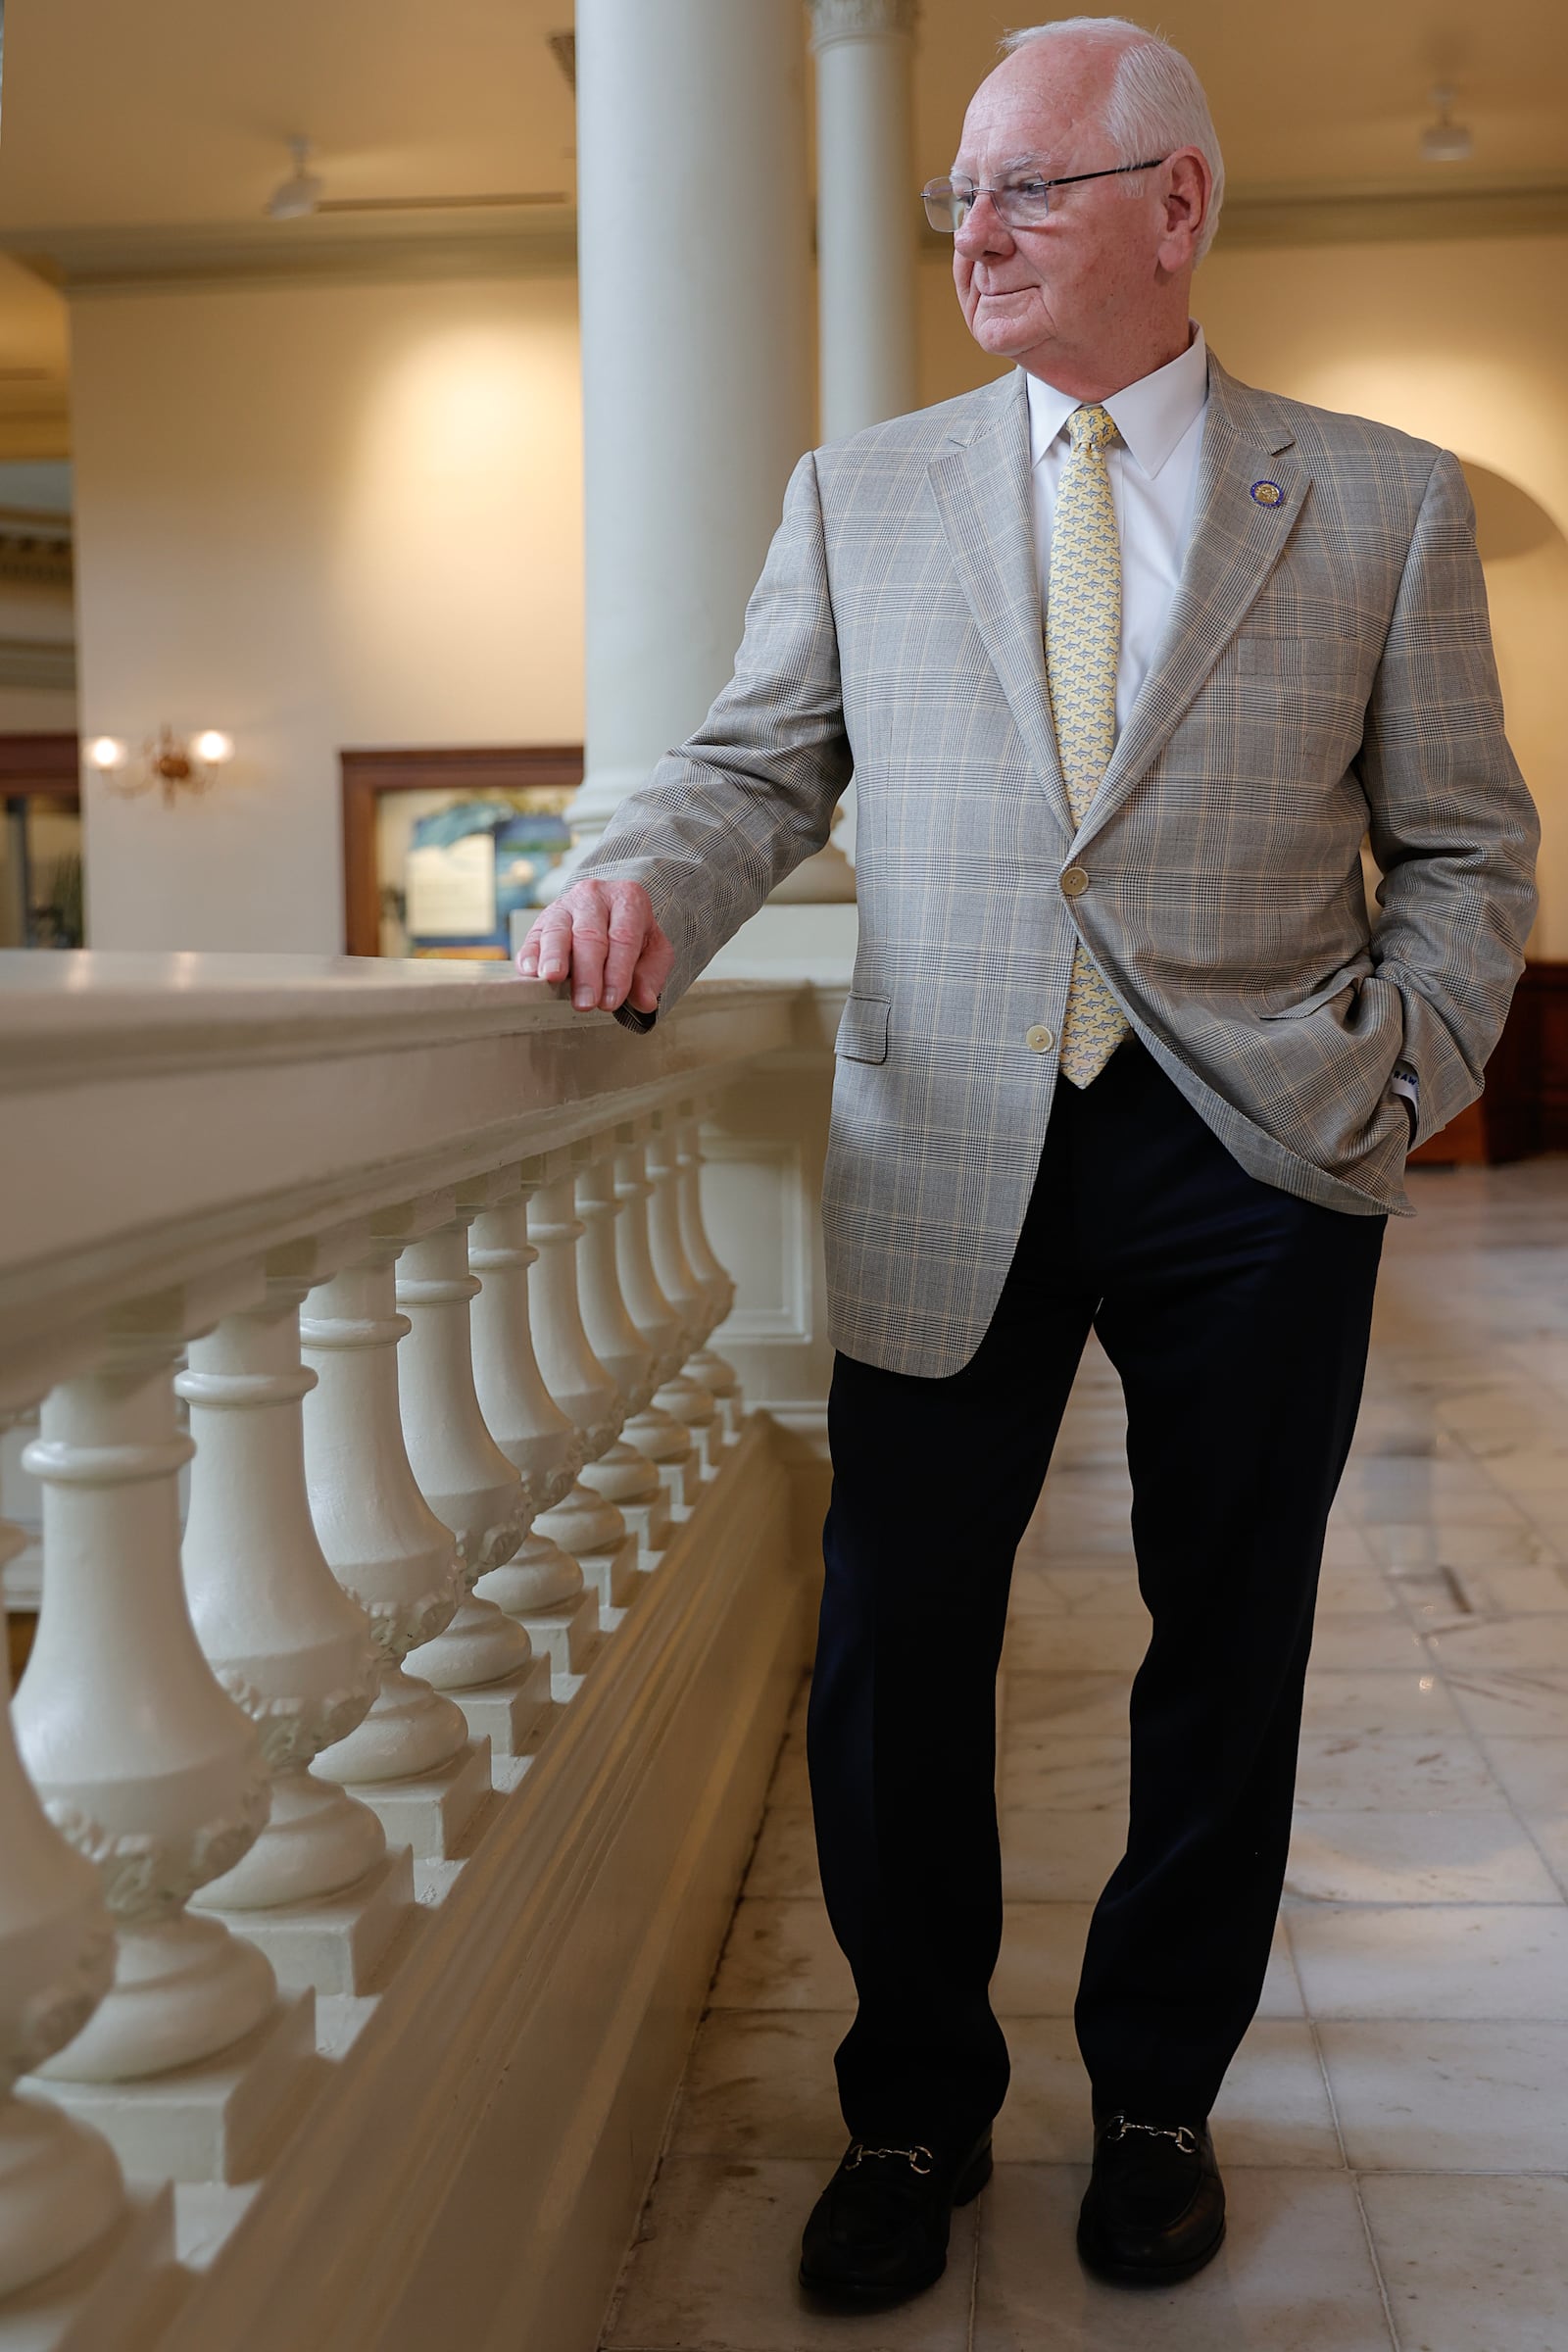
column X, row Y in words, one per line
column 60, row 2183
column 690, row 140
column 867, row 211
column 142, row 1760
column 283, row 1637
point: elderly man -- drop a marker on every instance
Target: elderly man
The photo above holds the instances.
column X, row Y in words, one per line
column 1126, row 659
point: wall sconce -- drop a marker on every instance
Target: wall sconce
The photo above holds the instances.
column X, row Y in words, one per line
column 166, row 760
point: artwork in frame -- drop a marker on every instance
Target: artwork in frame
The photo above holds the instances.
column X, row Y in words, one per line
column 441, row 847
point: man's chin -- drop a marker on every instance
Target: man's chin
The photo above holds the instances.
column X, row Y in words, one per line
column 1003, row 333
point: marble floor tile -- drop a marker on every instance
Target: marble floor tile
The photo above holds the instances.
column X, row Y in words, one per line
column 1273, row 2110
column 791, row 1785
column 780, row 1954
column 1532, row 1772
column 1430, row 2096
column 1048, row 1776
column 784, row 1857
column 1070, row 1644
column 1361, row 1591
column 1472, row 2265
column 1359, row 1641
column 713, row 2270
column 759, row 2083
column 1060, row 1857
column 1517, row 1642
column 1550, row 1833
column 1512, row 1704
column 1072, row 1590
column 1347, row 1548
column 1410, row 1699
column 1446, row 1858
column 1089, row 1705
column 1041, row 1954
column 1293, row 2275
column 1502, row 1591
column 1460, row 1546
column 1393, row 1772
column 1498, row 1961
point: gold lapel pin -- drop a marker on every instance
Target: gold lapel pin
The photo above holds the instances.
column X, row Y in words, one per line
column 1268, row 494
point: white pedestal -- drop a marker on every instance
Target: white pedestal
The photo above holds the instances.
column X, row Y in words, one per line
column 430, row 1814
column 336, row 1943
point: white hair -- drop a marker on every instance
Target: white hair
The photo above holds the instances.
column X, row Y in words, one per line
column 1157, row 102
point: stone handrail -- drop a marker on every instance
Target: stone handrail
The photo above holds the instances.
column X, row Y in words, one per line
column 396, row 1277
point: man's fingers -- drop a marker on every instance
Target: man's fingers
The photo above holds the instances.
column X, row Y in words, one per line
column 628, row 930
column 545, row 953
column 654, row 967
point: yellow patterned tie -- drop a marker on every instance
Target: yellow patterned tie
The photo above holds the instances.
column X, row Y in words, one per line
column 1082, row 648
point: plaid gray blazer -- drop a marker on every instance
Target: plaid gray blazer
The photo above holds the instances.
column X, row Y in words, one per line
column 1326, row 672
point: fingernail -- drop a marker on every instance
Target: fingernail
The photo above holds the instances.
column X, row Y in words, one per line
column 608, row 1000
column 583, row 1001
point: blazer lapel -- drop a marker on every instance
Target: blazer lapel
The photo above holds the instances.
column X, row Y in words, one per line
column 1237, row 540
column 982, row 490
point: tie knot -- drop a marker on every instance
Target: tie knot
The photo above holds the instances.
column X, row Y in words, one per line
column 1091, row 427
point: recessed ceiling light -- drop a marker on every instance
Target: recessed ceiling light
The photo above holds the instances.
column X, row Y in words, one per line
column 301, row 192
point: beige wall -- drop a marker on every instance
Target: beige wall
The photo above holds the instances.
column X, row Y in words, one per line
column 313, row 516
column 1464, row 344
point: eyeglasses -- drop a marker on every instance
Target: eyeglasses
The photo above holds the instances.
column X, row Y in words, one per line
column 1022, row 202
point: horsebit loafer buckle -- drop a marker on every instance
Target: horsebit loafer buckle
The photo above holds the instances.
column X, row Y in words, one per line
column 1182, row 2133
column 859, row 2152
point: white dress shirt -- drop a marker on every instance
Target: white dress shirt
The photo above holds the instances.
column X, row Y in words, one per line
column 1153, row 480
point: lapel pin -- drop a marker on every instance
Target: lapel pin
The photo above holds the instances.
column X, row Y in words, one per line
column 1268, row 494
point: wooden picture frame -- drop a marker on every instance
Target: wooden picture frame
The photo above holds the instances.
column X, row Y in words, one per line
column 367, row 775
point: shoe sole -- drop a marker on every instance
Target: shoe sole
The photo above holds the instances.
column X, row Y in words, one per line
column 966, row 2189
column 1127, row 2273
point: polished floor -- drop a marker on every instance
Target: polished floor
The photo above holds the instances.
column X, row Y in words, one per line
column 1394, row 2132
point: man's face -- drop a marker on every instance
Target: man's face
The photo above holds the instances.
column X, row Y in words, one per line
column 1066, row 290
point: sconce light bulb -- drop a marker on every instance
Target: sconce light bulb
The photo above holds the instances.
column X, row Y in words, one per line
column 106, row 752
column 212, row 747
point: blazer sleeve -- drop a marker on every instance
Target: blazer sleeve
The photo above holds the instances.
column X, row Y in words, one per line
column 724, row 818
column 1452, row 826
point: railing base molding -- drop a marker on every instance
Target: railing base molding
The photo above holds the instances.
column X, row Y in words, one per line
column 213, row 2121
column 568, row 1632
column 336, row 1943
column 475, row 2168
column 431, row 1813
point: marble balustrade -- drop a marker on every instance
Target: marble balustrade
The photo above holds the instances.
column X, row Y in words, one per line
column 369, row 1313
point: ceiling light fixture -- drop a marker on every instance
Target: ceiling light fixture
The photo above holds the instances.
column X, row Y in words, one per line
column 1446, row 141
column 301, row 192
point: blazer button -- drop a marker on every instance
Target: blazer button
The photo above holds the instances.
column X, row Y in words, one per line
column 1074, row 882
column 1038, row 1040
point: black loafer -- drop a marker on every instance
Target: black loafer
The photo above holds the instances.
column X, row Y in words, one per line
column 1154, row 2210
column 879, row 2231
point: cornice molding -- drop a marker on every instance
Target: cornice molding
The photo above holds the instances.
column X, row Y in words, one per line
column 37, row 662
column 835, row 20
column 200, row 254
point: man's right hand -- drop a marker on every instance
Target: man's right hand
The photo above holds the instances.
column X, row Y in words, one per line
column 601, row 937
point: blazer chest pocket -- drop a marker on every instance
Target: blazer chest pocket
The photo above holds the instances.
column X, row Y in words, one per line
column 862, row 1034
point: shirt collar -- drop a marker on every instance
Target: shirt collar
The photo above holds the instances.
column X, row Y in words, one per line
column 1150, row 416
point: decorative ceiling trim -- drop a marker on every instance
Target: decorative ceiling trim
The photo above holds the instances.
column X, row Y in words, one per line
column 1399, row 216
column 37, row 662
column 200, row 255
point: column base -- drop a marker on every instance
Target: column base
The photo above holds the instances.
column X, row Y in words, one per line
column 111, row 2297
column 614, row 1575
column 511, row 1714
column 335, row 1942
column 567, row 1635
column 431, row 1813
column 207, row 2121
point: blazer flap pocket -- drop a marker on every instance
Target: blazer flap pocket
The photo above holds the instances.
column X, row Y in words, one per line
column 863, row 1029
column 1350, row 977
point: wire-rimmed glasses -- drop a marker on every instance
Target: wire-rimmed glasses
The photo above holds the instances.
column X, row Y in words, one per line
column 1022, row 202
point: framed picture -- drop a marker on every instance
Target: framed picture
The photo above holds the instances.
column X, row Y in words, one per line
column 40, row 842
column 440, row 848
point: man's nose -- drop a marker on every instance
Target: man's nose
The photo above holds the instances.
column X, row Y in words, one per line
column 984, row 231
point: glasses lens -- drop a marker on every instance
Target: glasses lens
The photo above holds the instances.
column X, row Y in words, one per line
column 1023, row 203
column 947, row 205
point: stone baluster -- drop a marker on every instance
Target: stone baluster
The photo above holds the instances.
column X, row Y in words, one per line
column 485, row 1659
column 411, row 1758
column 655, row 1432
column 152, row 1771
column 716, row 1376
column 622, row 1475
column 685, row 1395
column 584, row 1523
column 60, row 2181
column 283, row 1637
column 541, row 1585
